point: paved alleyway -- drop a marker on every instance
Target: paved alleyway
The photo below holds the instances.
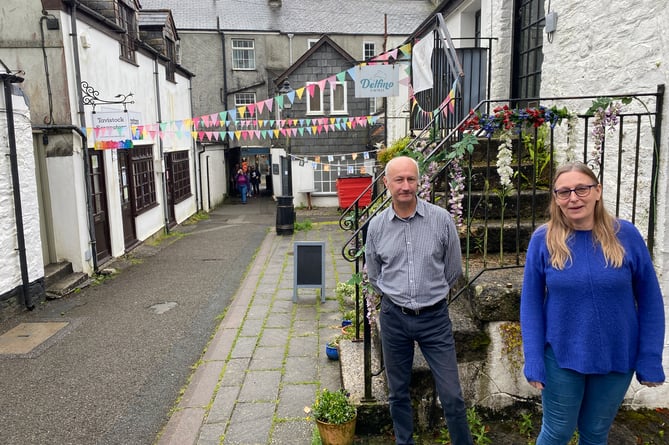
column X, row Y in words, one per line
column 113, row 374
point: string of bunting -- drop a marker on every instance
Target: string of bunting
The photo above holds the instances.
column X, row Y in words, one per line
column 244, row 123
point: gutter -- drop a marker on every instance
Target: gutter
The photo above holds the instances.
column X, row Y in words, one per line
column 8, row 79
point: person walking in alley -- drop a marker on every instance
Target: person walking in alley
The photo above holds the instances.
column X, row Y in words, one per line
column 242, row 180
column 591, row 312
column 413, row 260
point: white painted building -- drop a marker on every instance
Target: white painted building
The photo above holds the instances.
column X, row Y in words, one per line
column 21, row 268
column 82, row 60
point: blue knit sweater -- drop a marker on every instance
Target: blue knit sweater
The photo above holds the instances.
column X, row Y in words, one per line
column 597, row 319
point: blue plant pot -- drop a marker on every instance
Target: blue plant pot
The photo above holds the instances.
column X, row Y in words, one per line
column 345, row 323
column 332, row 352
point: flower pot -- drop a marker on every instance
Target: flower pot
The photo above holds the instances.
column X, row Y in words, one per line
column 332, row 352
column 337, row 434
column 345, row 323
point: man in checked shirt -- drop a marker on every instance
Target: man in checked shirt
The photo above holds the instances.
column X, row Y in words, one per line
column 413, row 259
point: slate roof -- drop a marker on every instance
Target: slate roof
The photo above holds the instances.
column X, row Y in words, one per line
column 298, row 16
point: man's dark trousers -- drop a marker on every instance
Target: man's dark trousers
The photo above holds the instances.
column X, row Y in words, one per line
column 432, row 331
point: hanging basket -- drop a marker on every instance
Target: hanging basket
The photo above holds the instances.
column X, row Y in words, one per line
column 337, row 434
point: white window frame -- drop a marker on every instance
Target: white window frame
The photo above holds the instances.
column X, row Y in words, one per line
column 333, row 87
column 311, row 42
column 365, row 55
column 248, row 51
column 242, row 99
column 317, row 91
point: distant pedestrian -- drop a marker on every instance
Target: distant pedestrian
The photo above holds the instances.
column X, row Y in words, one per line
column 242, row 181
column 255, row 180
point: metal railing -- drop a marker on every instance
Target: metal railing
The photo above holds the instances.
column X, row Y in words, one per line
column 627, row 168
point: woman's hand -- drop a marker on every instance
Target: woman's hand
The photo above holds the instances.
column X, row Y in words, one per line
column 537, row 385
column 651, row 384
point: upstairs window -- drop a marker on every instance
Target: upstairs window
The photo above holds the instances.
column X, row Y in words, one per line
column 315, row 102
column 368, row 50
column 171, row 53
column 128, row 21
column 242, row 99
column 243, row 54
column 338, row 103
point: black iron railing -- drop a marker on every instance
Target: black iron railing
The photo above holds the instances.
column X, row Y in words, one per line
column 497, row 230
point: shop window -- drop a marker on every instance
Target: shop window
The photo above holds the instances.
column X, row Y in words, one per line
column 180, row 164
column 143, row 178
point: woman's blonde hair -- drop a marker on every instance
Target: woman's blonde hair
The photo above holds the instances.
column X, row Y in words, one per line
column 559, row 230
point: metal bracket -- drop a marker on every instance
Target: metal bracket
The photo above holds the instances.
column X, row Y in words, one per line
column 92, row 97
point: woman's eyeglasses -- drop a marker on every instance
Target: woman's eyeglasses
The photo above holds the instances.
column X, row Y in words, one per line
column 581, row 191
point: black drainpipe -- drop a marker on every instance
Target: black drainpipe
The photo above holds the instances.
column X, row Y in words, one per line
column 82, row 124
column 163, row 164
column 8, row 79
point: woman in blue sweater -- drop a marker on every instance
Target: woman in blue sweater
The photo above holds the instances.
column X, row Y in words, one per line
column 591, row 312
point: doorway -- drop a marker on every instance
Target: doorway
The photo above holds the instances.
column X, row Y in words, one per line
column 126, row 190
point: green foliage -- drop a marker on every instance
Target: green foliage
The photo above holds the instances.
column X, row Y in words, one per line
column 604, row 102
column 464, row 146
column 526, row 426
column 195, row 218
column 303, row 225
column 386, row 154
column 476, row 426
column 333, row 407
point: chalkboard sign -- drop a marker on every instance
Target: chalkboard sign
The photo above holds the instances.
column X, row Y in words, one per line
column 309, row 257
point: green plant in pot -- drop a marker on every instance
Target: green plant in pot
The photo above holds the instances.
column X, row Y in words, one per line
column 335, row 417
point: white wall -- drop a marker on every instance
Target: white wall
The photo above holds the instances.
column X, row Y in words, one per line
column 10, row 270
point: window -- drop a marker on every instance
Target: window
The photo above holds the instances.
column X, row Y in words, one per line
column 315, row 102
column 528, row 50
column 171, row 53
column 243, row 54
column 368, row 50
column 374, row 104
column 143, row 178
column 311, row 42
column 180, row 166
column 338, row 102
column 128, row 21
column 327, row 171
column 242, row 99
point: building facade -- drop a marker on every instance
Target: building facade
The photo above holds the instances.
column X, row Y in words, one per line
column 110, row 115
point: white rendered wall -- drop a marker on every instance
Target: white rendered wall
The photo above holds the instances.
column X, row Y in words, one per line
column 10, row 270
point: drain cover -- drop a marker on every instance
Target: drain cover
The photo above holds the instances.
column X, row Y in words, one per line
column 27, row 336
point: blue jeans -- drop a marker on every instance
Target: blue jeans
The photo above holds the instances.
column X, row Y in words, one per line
column 587, row 401
column 433, row 333
column 242, row 191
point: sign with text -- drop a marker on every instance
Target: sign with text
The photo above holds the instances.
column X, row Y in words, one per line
column 377, row 81
column 111, row 130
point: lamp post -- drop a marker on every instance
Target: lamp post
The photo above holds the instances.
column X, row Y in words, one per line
column 285, row 211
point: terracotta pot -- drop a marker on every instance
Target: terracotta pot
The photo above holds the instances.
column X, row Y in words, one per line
column 337, row 434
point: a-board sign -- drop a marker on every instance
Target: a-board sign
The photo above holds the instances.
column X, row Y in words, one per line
column 309, row 266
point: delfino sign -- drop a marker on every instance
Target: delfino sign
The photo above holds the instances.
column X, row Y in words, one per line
column 377, row 81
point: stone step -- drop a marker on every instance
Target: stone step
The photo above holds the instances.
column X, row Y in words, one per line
column 56, row 271
column 66, row 285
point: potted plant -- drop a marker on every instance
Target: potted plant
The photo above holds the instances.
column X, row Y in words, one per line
column 335, row 417
column 332, row 349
